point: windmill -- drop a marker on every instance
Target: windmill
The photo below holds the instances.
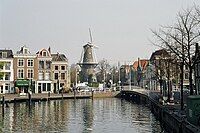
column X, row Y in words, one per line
column 88, row 62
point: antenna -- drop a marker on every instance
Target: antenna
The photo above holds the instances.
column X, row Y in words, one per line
column 90, row 36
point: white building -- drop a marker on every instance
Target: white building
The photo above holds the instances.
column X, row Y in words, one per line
column 6, row 72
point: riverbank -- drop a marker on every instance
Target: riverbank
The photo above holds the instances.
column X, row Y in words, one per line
column 107, row 94
column 9, row 98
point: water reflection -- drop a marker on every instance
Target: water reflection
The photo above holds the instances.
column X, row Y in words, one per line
column 76, row 116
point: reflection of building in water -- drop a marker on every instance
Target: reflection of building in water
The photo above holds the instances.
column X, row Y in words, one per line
column 48, row 115
column 87, row 113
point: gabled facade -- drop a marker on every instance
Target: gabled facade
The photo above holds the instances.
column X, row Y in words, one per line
column 44, row 82
column 60, row 73
column 167, row 69
column 6, row 72
column 25, row 74
column 140, row 68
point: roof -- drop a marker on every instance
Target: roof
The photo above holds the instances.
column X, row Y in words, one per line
column 41, row 53
column 23, row 50
column 9, row 53
column 142, row 63
column 58, row 57
column 160, row 52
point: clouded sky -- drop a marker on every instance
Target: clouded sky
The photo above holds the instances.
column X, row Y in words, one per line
column 120, row 28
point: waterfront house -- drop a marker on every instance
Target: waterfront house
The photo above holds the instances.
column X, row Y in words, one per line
column 44, row 82
column 25, row 74
column 6, row 71
column 60, row 73
column 167, row 68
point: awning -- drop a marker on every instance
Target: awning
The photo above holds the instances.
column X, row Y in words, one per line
column 24, row 82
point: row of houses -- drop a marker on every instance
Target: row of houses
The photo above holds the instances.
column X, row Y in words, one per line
column 39, row 73
column 148, row 73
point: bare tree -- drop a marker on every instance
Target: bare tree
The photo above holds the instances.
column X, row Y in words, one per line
column 180, row 39
column 102, row 69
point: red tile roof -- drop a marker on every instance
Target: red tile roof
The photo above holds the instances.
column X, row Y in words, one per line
column 143, row 63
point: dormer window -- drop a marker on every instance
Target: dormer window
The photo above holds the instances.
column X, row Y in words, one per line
column 4, row 54
column 25, row 51
column 44, row 53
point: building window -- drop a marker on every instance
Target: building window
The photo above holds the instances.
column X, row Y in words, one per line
column 186, row 75
column 40, row 76
column 62, row 75
column 56, row 67
column 20, row 73
column 62, row 67
column 44, row 53
column 4, row 54
column 47, row 76
column 48, row 64
column 20, row 62
column 7, row 76
column 30, row 73
column 61, row 85
column 186, row 67
column 39, row 86
column 41, row 64
column 1, row 77
column 1, row 89
column 56, row 76
column 25, row 51
column 7, row 86
column 30, row 63
column 7, row 65
column 48, row 86
column 1, row 65
column 44, row 87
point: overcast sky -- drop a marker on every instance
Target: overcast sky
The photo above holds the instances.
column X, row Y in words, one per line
column 120, row 28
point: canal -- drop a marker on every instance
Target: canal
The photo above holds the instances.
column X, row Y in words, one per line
column 108, row 115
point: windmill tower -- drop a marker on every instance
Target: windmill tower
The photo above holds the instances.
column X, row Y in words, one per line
column 88, row 62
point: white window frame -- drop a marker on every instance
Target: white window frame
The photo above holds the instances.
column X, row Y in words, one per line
column 18, row 62
column 55, row 67
column 29, row 60
column 4, row 54
column 62, row 77
column 28, row 73
column 9, row 76
column 47, row 76
column 55, row 76
column 64, row 67
column 185, row 75
column 20, row 74
column 6, row 65
column 8, row 86
column 43, row 53
column 42, row 76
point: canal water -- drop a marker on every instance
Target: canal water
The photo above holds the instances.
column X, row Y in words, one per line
column 108, row 115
